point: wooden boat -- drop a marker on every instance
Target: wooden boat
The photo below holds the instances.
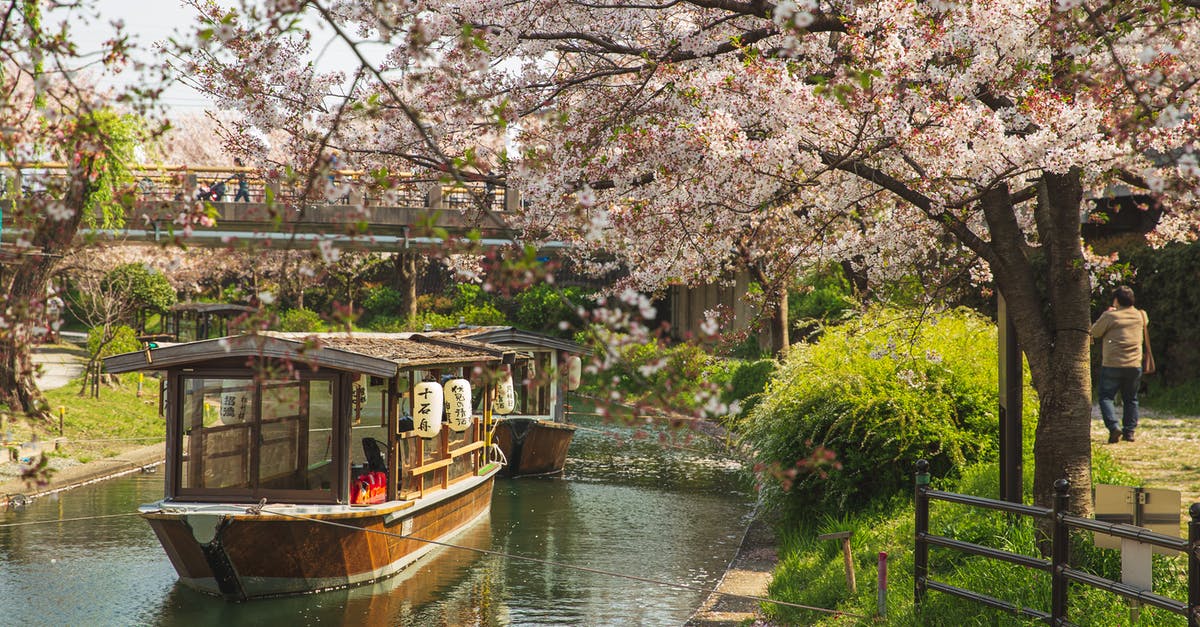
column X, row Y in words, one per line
column 292, row 466
column 537, row 434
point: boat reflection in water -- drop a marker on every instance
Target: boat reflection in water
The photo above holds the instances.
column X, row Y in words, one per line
column 451, row 581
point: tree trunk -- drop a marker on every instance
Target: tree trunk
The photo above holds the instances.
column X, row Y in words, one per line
column 779, row 323
column 1049, row 304
column 26, row 279
column 404, row 279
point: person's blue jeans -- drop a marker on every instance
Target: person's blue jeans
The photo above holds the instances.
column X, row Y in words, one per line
column 1125, row 381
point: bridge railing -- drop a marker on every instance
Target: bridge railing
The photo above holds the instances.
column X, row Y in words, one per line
column 167, row 184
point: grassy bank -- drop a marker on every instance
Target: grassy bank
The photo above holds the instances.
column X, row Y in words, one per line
column 811, row 572
column 97, row 428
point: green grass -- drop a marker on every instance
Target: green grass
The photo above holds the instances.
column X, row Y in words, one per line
column 811, row 572
column 1181, row 399
column 97, row 428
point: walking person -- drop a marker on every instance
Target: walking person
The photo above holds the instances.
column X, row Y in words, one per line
column 243, row 186
column 1120, row 330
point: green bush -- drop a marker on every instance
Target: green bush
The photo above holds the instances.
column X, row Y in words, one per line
column 124, row 341
column 143, row 285
column 382, row 300
column 1164, row 289
column 396, row 324
column 827, row 295
column 880, row 393
column 301, row 321
column 678, row 378
column 747, row 381
column 464, row 295
column 481, row 315
column 543, row 306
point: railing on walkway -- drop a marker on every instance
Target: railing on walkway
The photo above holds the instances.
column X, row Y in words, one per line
column 1061, row 573
column 170, row 183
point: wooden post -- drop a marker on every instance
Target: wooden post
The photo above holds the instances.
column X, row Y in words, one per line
column 1194, row 566
column 921, row 553
column 847, row 558
column 1060, row 553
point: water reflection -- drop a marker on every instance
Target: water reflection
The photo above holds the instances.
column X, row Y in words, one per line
column 625, row 505
column 447, row 582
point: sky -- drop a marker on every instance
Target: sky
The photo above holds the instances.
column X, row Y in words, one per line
column 150, row 21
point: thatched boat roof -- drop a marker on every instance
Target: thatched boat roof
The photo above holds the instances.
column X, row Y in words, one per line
column 376, row 354
column 520, row 339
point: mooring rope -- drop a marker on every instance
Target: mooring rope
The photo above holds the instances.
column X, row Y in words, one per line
column 258, row 508
column 586, row 569
column 62, row 520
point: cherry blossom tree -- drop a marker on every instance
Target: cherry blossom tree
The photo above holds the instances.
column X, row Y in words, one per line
column 690, row 138
column 51, row 110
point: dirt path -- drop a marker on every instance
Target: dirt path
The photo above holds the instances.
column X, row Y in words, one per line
column 1165, row 455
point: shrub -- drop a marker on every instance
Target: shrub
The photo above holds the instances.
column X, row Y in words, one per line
column 543, row 306
column 301, row 321
column 383, row 300
column 465, row 295
column 827, row 295
column 143, row 285
column 879, row 393
column 747, row 380
column 395, row 324
column 481, row 315
column 124, row 340
column 677, row 378
column 435, row 303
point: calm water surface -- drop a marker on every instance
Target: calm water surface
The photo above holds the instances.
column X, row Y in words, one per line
column 626, row 504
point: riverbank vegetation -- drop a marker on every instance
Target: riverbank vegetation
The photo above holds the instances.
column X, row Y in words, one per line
column 121, row 418
column 837, row 432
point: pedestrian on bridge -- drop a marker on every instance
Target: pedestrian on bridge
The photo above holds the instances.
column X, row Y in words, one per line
column 243, row 186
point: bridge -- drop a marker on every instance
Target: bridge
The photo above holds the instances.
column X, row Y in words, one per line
column 362, row 214
column 392, row 220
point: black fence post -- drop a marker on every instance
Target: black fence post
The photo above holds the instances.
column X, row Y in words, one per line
column 1060, row 551
column 1193, row 614
column 921, row 553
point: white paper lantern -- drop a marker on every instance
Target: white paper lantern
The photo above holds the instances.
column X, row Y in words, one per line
column 427, row 408
column 574, row 372
column 458, row 404
column 506, row 398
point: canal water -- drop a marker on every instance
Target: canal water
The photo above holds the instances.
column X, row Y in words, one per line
column 640, row 503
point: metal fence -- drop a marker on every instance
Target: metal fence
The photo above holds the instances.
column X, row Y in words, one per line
column 1058, row 566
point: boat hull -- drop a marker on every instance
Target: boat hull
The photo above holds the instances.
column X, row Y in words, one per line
column 533, row 447
column 298, row 549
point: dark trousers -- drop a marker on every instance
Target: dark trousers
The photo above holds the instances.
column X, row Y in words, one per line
column 1125, row 381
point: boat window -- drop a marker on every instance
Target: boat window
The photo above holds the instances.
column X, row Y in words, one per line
column 237, row 441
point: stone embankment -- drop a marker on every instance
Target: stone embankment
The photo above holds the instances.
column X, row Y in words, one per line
column 59, row 365
column 748, row 574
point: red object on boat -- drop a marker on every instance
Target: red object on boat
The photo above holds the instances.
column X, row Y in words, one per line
column 369, row 488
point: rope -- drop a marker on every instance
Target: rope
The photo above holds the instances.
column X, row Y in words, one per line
column 259, row 508
column 595, row 571
column 62, row 520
